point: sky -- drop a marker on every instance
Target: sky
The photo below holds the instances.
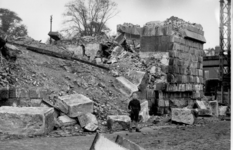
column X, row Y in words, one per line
column 36, row 14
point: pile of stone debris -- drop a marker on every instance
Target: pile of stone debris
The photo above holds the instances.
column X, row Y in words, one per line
column 66, row 97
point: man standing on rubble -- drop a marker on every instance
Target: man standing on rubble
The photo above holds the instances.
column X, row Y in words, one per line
column 134, row 107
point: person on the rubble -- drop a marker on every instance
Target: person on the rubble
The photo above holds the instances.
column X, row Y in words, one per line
column 134, row 107
column 84, row 50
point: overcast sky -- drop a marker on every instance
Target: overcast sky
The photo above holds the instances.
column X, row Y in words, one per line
column 36, row 14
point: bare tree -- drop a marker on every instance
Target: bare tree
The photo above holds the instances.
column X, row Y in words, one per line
column 88, row 17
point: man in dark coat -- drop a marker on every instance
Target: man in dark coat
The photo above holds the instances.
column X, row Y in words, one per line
column 134, row 107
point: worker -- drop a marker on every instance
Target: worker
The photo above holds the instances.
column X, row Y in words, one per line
column 134, row 107
column 84, row 50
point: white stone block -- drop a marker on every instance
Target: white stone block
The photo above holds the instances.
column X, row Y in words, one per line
column 125, row 86
column 26, row 120
column 66, row 121
column 118, row 122
column 183, row 115
column 77, row 104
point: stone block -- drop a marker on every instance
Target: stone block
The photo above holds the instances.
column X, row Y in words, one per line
column 44, row 94
column 182, row 115
column 118, row 122
column 26, row 120
column 137, row 77
column 57, row 103
column 159, row 86
column 201, row 104
column 214, row 108
column 23, row 93
column 178, row 102
column 125, row 86
column 144, row 113
column 222, row 110
column 77, row 104
column 66, row 121
column 13, row 92
column 88, row 118
column 150, row 94
column 120, row 38
column 102, row 143
column 33, row 94
column 4, row 93
column 127, row 143
column 36, row 102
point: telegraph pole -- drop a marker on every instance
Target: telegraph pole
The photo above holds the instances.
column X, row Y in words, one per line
column 51, row 20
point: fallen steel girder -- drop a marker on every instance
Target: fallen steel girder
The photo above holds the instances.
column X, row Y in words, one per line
column 58, row 55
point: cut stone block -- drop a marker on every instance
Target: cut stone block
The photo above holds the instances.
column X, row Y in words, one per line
column 102, row 143
column 36, row 102
column 66, row 121
column 183, row 115
column 91, row 127
column 127, row 143
column 144, row 113
column 178, row 103
column 58, row 104
column 201, row 104
column 222, row 110
column 125, row 86
column 4, row 93
column 26, row 120
column 77, row 104
column 118, row 122
column 214, row 108
column 88, row 118
column 137, row 76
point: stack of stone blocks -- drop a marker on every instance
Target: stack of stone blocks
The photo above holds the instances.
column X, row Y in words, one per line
column 181, row 44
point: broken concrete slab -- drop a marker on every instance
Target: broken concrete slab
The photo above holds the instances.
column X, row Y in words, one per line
column 127, row 143
column 125, row 86
column 102, row 143
column 88, row 118
column 144, row 113
column 77, row 104
column 183, row 115
column 118, row 122
column 66, row 121
column 26, row 120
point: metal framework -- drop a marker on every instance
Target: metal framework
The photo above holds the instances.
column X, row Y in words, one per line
column 225, row 46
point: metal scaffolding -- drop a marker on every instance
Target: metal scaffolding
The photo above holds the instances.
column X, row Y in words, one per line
column 225, row 47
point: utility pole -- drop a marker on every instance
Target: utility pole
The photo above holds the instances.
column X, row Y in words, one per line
column 51, row 20
column 225, row 46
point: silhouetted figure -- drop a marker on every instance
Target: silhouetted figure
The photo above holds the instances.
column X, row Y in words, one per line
column 84, row 50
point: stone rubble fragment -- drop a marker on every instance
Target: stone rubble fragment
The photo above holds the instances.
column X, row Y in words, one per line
column 182, row 115
column 88, row 121
column 118, row 122
column 125, row 86
column 66, row 121
column 144, row 113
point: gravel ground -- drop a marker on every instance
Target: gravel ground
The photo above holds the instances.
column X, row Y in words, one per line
column 210, row 134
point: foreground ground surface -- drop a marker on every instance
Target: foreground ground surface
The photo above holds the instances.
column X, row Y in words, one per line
column 209, row 135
